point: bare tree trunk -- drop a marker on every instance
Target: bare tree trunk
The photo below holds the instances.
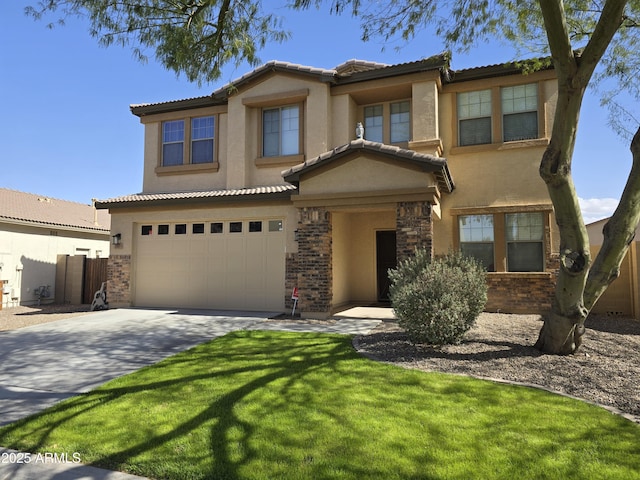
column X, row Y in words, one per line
column 564, row 326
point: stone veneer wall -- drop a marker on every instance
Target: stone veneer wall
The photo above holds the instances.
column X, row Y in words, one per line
column 523, row 292
column 314, row 269
column 291, row 279
column 413, row 228
column 119, row 280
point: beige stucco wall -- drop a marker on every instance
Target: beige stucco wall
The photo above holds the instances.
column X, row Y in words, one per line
column 425, row 105
column 354, row 253
column 155, row 181
column 366, row 173
column 237, row 136
column 595, row 232
column 495, row 175
column 492, row 179
column 245, row 111
column 344, row 120
column 341, row 260
column 28, row 256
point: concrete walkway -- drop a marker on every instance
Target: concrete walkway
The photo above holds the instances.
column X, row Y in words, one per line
column 47, row 363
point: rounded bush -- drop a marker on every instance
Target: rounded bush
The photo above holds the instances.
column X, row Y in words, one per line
column 437, row 301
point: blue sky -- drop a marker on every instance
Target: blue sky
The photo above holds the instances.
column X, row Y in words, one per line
column 67, row 132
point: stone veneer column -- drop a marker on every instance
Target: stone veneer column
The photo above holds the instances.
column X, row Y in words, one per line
column 315, row 276
column 119, row 280
column 291, row 279
column 413, row 228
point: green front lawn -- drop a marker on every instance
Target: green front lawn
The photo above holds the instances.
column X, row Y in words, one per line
column 288, row 405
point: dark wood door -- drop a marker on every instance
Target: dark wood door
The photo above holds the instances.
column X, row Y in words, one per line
column 385, row 259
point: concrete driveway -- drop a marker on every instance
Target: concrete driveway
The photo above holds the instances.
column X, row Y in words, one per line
column 47, row 363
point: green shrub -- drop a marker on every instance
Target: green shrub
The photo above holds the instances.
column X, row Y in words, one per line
column 437, row 301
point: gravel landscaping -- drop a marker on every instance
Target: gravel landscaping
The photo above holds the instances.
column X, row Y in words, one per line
column 19, row 317
column 605, row 371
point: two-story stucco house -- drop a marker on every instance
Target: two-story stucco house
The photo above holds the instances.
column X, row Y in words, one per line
column 264, row 186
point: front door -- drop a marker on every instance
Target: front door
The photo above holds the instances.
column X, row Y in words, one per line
column 385, row 259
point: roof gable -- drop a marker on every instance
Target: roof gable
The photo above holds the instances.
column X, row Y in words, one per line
column 427, row 163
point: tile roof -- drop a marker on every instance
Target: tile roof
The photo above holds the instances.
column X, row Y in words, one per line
column 209, row 195
column 29, row 208
column 275, row 66
column 349, row 72
column 355, row 65
column 498, row 69
column 428, row 163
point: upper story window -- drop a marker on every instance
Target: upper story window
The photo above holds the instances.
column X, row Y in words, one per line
column 519, row 112
column 483, row 113
column 388, row 122
column 202, row 129
column 373, row 123
column 278, row 120
column 199, row 132
column 281, row 131
column 172, row 142
column 400, row 122
column 474, row 117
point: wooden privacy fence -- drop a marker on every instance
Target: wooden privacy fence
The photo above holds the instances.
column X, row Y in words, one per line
column 95, row 272
column 78, row 278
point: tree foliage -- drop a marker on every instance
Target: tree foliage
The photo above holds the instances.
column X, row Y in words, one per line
column 194, row 37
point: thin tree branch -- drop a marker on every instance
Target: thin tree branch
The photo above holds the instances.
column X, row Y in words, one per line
column 608, row 24
column 555, row 23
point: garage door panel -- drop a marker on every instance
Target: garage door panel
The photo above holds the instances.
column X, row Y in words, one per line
column 222, row 270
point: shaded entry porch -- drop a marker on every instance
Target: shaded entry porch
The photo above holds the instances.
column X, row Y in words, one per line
column 363, row 249
column 344, row 253
column 357, row 205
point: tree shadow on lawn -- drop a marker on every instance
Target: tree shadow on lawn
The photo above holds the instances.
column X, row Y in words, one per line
column 262, row 371
column 284, row 363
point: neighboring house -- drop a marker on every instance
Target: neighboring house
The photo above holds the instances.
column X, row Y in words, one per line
column 622, row 297
column 34, row 231
column 263, row 186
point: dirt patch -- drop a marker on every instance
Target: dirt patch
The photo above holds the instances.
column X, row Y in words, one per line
column 20, row 317
column 605, row 371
